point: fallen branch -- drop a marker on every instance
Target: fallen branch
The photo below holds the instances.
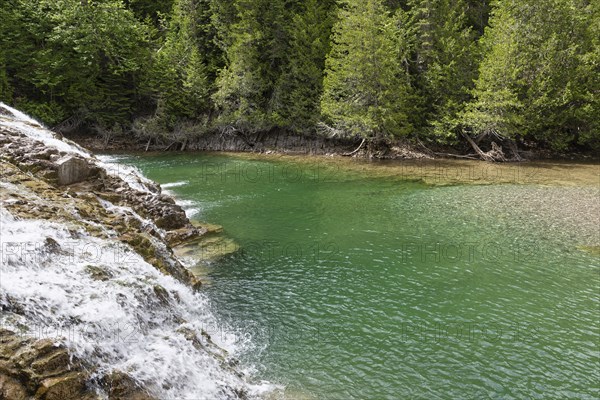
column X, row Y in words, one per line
column 169, row 146
column 467, row 156
column 513, row 148
column 494, row 155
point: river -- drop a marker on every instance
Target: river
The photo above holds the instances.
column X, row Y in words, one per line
column 353, row 280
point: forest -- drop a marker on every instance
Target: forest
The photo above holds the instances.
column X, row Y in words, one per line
column 437, row 72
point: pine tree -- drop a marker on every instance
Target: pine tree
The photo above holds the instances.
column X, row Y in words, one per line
column 366, row 88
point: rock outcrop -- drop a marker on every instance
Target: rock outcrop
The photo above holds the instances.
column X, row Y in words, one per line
column 83, row 184
column 40, row 369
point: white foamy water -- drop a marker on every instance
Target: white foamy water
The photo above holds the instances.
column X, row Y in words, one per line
column 21, row 122
column 106, row 304
column 117, row 321
column 35, row 130
column 174, row 184
column 192, row 208
column 130, row 174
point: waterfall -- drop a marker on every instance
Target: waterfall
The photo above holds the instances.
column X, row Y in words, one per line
column 98, row 297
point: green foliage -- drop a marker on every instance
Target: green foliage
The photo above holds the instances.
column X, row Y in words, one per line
column 180, row 74
column 299, row 88
column 255, row 58
column 536, row 80
column 71, row 55
column 5, row 89
column 380, row 69
column 366, row 88
column 445, row 60
column 151, row 9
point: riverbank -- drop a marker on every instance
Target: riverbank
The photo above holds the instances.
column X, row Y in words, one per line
column 94, row 302
column 285, row 143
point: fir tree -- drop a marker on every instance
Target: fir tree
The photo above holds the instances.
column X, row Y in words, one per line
column 299, row 89
column 445, row 62
column 366, row 88
column 535, row 81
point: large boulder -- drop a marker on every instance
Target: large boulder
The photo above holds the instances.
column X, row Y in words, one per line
column 72, row 169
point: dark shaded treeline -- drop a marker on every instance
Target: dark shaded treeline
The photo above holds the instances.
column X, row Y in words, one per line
column 431, row 71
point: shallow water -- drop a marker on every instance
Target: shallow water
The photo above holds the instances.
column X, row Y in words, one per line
column 362, row 281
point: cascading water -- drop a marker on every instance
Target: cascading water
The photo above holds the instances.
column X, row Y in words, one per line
column 111, row 308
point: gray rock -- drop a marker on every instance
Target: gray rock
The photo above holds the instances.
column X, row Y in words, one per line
column 72, row 170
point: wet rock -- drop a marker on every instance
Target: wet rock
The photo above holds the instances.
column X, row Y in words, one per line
column 162, row 295
column 191, row 336
column 121, row 387
column 172, row 219
column 196, row 284
column 98, row 273
column 52, row 185
column 71, row 386
column 55, row 363
column 166, row 199
column 11, row 389
column 182, row 235
column 114, row 198
column 49, row 176
column 52, row 246
column 5, row 112
column 40, row 369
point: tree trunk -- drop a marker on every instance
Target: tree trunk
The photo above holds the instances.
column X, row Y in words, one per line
column 356, row 150
column 496, row 154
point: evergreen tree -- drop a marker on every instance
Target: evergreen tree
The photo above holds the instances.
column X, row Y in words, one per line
column 181, row 75
column 445, row 62
column 255, row 56
column 79, row 56
column 300, row 87
column 535, row 81
column 366, row 88
column 152, row 10
column 376, row 68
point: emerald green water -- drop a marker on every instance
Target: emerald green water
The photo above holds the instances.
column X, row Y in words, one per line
column 353, row 286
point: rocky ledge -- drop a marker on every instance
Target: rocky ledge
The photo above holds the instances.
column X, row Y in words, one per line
column 71, row 186
column 46, row 178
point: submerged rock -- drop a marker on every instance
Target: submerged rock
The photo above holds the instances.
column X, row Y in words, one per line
column 593, row 250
